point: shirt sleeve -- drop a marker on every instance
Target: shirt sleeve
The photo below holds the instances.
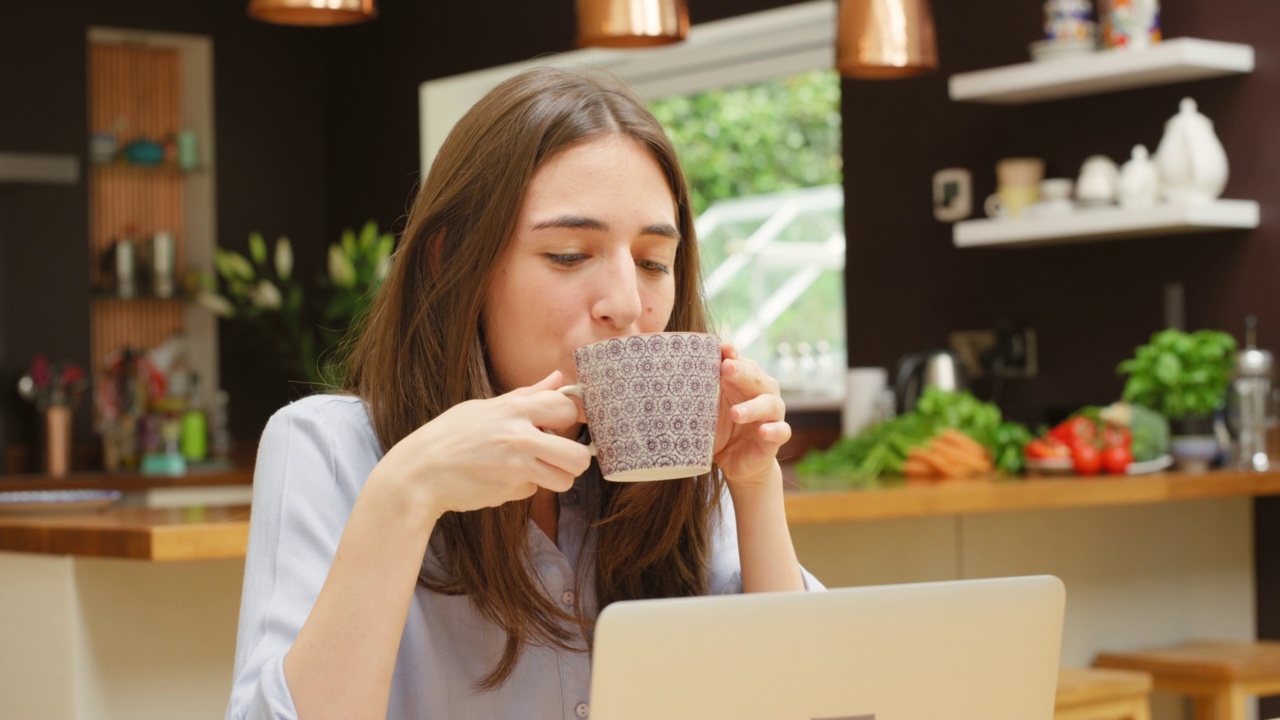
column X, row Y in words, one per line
column 725, row 571
column 299, row 510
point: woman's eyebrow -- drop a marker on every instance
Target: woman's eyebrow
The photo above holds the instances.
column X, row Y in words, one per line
column 580, row 222
column 575, row 222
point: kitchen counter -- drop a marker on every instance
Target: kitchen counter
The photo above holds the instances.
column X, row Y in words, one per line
column 204, row 533
column 138, row 533
column 965, row 497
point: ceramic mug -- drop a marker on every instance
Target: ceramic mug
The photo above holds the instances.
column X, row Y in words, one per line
column 1018, row 186
column 1011, row 201
column 652, row 402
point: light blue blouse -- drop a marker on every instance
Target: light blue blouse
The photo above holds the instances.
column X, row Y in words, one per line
column 314, row 457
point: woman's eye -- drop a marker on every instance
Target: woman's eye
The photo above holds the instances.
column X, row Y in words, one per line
column 654, row 267
column 566, row 258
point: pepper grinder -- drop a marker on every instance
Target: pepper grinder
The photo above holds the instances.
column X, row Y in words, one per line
column 1251, row 397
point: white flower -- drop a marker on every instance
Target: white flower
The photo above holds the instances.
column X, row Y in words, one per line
column 215, row 303
column 232, row 265
column 265, row 295
column 257, row 248
column 341, row 271
column 284, row 258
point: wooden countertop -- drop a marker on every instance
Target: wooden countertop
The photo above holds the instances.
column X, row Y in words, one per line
column 960, row 498
column 140, row 533
column 166, row 535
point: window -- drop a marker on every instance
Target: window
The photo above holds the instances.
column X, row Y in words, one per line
column 773, row 250
column 764, row 166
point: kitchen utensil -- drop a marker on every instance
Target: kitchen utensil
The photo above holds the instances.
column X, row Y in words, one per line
column 933, row 368
column 1250, row 408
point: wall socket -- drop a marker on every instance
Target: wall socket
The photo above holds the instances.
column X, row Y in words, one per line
column 977, row 351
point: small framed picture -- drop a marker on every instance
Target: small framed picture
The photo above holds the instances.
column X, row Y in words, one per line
column 952, row 194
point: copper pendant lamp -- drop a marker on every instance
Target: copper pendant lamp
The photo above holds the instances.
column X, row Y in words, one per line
column 631, row 23
column 313, row 12
column 884, row 39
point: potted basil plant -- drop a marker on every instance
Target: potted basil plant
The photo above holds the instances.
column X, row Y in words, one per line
column 1183, row 376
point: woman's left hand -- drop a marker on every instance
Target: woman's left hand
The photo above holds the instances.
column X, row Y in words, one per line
column 751, row 425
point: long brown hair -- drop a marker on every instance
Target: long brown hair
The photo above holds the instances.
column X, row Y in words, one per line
column 421, row 350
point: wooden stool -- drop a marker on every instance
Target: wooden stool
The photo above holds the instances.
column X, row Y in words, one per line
column 1102, row 695
column 1218, row 676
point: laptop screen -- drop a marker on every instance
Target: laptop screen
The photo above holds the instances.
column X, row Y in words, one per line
column 959, row 650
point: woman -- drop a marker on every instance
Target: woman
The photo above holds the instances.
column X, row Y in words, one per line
column 437, row 541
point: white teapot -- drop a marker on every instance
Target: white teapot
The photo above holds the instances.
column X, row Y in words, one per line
column 1192, row 163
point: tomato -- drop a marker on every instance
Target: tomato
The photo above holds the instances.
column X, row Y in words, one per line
column 1047, row 447
column 1075, row 430
column 1116, row 459
column 1117, row 437
column 1085, row 459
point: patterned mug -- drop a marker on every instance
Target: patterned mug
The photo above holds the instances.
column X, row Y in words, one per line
column 651, row 403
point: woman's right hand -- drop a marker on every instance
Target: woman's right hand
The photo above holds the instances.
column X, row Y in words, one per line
column 483, row 453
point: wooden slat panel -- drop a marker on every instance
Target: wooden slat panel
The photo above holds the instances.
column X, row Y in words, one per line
column 134, row 93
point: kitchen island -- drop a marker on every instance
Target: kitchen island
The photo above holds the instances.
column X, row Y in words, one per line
column 131, row 611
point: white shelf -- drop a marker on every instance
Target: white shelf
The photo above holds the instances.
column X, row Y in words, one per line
column 1086, row 225
column 1171, row 61
column 39, row 169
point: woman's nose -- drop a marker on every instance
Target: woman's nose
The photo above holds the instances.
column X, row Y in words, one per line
column 618, row 300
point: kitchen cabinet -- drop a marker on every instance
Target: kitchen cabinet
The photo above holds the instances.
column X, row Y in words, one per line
column 1176, row 60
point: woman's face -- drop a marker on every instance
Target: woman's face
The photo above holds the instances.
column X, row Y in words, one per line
column 592, row 257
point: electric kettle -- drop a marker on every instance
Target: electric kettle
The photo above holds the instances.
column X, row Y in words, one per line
column 933, row 368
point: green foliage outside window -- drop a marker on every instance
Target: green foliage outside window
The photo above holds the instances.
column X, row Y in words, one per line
column 760, row 138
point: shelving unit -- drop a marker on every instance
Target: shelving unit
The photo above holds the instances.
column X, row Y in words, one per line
column 1171, row 61
column 1087, row 225
column 151, row 85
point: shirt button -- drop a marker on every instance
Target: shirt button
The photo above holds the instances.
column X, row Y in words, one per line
column 572, row 497
column 567, row 599
column 582, row 710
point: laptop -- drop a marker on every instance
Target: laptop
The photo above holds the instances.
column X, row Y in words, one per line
column 958, row 650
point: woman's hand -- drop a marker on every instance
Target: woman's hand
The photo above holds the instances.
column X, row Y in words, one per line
column 483, row 453
column 751, row 425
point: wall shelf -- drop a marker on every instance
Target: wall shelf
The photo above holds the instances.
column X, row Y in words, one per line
column 38, row 169
column 1171, row 61
column 1087, row 225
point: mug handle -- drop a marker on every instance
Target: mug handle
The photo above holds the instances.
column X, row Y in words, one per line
column 575, row 390
column 992, row 206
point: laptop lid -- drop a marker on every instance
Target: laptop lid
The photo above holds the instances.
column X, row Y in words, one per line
column 959, row 650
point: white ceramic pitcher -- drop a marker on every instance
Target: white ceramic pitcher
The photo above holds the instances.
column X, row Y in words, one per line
column 1192, row 163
